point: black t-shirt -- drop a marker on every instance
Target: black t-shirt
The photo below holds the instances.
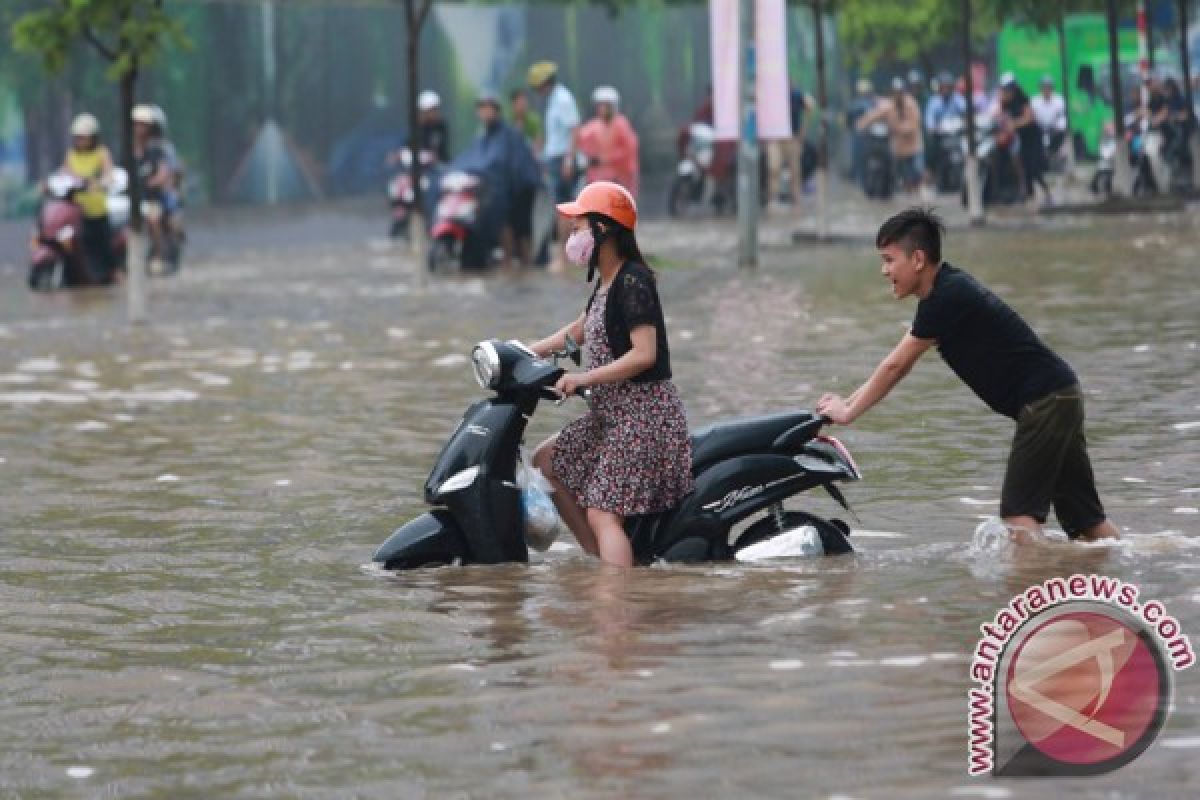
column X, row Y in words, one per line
column 153, row 156
column 987, row 344
column 435, row 137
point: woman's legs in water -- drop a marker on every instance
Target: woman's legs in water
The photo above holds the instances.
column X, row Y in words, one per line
column 564, row 500
column 609, row 529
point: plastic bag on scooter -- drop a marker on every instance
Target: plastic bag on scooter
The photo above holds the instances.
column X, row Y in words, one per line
column 542, row 524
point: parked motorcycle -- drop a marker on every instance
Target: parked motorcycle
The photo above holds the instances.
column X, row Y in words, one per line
column 1168, row 147
column 949, row 154
column 999, row 181
column 169, row 249
column 57, row 258
column 1102, row 179
column 878, row 178
column 694, row 187
column 401, row 196
column 742, row 468
column 457, row 236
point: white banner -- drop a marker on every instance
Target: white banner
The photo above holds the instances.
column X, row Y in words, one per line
column 772, row 84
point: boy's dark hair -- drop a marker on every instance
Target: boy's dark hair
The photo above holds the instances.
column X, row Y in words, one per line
column 914, row 229
column 517, row 92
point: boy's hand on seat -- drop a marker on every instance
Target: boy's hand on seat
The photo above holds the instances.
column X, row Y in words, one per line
column 835, row 407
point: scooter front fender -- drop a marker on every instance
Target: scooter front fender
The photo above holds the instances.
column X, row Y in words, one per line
column 449, row 230
column 431, row 539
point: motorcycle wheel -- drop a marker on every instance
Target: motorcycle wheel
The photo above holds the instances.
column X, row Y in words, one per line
column 173, row 254
column 442, row 256
column 833, row 532
column 679, row 196
column 46, row 277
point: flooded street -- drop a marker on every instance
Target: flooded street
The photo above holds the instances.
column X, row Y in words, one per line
column 185, row 509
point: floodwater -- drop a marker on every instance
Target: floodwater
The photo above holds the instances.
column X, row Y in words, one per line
column 185, row 509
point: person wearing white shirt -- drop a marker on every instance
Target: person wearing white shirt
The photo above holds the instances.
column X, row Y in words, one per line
column 1050, row 112
column 561, row 120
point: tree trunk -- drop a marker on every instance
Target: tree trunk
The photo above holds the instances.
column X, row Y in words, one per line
column 135, row 261
column 822, row 128
column 128, row 87
column 973, row 188
column 1185, row 61
column 1122, row 184
column 414, row 18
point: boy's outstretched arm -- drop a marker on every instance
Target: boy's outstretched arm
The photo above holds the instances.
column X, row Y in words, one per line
column 890, row 371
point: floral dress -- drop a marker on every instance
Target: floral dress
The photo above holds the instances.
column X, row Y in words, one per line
column 631, row 453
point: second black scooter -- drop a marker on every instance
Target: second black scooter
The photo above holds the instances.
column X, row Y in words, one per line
column 742, row 468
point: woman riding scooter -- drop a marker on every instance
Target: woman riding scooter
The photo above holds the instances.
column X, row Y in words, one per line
column 631, row 453
column 90, row 161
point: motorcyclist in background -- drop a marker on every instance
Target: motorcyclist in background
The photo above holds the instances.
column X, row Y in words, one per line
column 157, row 177
column 173, row 191
column 433, row 135
column 864, row 100
column 90, row 160
column 1050, row 112
column 609, row 142
column 946, row 104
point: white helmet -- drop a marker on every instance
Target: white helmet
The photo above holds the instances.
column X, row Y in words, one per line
column 144, row 112
column 85, row 125
column 428, row 100
column 160, row 117
column 606, row 94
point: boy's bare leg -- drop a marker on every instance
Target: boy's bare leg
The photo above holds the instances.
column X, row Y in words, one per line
column 1024, row 529
column 1104, row 530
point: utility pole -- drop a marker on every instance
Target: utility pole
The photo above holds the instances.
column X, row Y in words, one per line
column 974, row 190
column 822, row 129
column 747, row 173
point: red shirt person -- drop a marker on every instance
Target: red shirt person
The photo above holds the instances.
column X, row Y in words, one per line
column 610, row 143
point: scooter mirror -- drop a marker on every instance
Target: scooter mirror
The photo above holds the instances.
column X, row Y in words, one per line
column 572, row 351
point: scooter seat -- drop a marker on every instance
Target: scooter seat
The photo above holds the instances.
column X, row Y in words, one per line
column 723, row 440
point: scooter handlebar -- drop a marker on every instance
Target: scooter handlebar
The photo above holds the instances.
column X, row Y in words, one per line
column 560, row 398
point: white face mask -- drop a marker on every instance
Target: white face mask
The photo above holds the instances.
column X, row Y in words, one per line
column 579, row 247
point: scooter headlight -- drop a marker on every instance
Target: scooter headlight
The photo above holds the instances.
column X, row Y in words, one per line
column 486, row 362
column 458, row 481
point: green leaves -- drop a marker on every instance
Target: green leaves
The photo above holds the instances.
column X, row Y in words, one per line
column 127, row 33
column 878, row 31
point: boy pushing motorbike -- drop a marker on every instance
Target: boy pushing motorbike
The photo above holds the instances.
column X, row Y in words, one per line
column 1002, row 360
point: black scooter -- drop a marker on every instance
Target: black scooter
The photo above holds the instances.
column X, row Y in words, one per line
column 741, row 467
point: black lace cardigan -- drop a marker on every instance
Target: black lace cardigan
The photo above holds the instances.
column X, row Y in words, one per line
column 633, row 301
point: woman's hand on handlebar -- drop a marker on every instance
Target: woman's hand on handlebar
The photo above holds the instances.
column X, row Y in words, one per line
column 572, row 383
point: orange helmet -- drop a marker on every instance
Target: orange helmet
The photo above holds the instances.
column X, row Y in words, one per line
column 603, row 197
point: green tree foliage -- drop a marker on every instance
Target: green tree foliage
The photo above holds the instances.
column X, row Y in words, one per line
column 128, row 33
column 880, row 31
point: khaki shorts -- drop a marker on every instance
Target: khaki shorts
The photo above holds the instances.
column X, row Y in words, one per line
column 1049, row 465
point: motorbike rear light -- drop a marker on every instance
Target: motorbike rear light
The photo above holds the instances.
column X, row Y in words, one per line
column 841, row 448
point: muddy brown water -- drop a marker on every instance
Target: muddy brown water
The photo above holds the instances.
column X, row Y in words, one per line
column 185, row 508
